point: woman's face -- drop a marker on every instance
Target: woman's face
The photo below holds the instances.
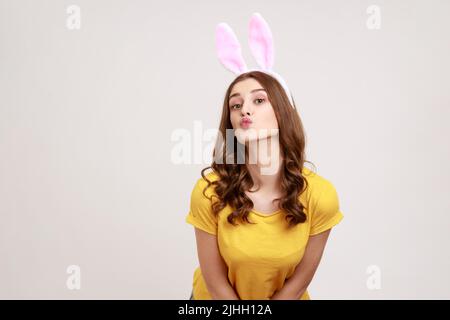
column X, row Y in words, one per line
column 248, row 101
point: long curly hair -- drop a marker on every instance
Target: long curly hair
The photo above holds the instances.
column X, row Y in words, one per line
column 234, row 178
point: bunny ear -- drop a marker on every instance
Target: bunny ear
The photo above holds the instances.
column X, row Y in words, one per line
column 229, row 49
column 261, row 42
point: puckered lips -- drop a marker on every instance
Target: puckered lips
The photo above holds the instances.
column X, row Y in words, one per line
column 246, row 122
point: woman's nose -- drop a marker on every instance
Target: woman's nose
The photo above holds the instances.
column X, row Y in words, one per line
column 245, row 109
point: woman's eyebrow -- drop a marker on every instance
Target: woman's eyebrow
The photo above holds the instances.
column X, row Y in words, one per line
column 238, row 94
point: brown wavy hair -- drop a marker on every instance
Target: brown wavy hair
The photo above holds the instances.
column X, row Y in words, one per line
column 234, row 178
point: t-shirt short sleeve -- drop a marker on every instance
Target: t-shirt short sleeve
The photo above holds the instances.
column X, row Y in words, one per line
column 200, row 214
column 326, row 212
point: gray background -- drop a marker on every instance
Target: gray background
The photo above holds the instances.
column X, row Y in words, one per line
column 86, row 118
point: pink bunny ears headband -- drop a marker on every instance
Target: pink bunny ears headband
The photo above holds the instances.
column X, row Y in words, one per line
column 260, row 41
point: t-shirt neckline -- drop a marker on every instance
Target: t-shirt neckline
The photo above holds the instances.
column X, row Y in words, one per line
column 265, row 215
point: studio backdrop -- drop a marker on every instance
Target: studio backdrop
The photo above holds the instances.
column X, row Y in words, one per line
column 107, row 115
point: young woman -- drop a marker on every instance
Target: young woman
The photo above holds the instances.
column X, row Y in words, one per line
column 262, row 221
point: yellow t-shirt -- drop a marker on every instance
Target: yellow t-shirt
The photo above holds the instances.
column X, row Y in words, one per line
column 260, row 257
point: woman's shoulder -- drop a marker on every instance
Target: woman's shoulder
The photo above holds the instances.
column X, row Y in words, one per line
column 317, row 184
column 202, row 183
column 322, row 203
column 322, row 200
column 210, row 176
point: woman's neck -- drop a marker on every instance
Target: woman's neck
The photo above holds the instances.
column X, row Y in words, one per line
column 264, row 163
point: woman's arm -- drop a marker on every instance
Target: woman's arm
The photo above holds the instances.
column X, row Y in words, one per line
column 214, row 269
column 295, row 286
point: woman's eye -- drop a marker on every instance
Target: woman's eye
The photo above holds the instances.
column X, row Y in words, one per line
column 239, row 106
